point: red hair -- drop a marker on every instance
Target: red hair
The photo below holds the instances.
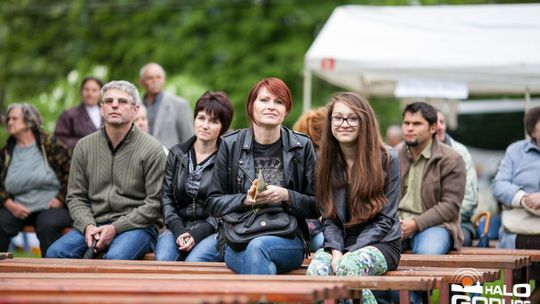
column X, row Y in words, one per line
column 276, row 87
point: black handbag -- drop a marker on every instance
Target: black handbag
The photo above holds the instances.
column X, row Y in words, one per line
column 239, row 228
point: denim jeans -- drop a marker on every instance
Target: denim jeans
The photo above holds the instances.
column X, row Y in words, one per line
column 204, row 251
column 266, row 255
column 433, row 240
column 128, row 245
column 317, row 240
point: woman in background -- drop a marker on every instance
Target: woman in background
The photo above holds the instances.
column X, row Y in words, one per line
column 312, row 123
column 75, row 123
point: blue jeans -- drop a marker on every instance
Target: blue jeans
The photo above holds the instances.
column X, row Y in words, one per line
column 204, row 251
column 433, row 240
column 317, row 240
column 266, row 255
column 128, row 245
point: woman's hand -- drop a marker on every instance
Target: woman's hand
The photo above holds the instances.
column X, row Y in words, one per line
column 55, row 203
column 533, row 200
column 336, row 256
column 18, row 210
column 185, row 242
column 249, row 200
column 273, row 195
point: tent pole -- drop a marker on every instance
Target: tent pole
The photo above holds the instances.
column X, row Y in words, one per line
column 307, row 90
column 527, row 104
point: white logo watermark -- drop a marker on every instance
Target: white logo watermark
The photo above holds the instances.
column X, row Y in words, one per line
column 470, row 291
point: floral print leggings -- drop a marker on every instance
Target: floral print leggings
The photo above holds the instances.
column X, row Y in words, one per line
column 367, row 261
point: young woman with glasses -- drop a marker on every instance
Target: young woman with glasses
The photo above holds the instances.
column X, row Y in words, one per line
column 357, row 190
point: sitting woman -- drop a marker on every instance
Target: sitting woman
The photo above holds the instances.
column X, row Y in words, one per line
column 191, row 232
column 286, row 160
column 34, row 171
column 358, row 193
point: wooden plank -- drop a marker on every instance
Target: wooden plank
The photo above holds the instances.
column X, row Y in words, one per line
column 272, row 290
column 461, row 261
column 534, row 254
column 25, row 298
column 356, row 283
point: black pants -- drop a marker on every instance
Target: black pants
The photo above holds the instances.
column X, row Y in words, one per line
column 48, row 225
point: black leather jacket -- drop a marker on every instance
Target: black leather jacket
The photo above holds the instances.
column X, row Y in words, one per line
column 181, row 212
column 235, row 159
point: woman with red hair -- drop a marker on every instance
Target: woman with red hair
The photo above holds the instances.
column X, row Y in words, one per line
column 286, row 160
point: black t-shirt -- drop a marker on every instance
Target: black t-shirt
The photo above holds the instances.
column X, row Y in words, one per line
column 269, row 159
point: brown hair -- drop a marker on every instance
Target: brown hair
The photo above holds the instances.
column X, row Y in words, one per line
column 216, row 104
column 530, row 120
column 365, row 195
column 312, row 123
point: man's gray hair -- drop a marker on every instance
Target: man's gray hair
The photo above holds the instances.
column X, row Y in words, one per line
column 125, row 86
column 151, row 64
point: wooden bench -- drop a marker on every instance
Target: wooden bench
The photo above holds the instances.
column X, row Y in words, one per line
column 191, row 271
column 188, row 285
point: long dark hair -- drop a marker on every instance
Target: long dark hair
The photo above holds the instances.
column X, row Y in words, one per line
column 366, row 184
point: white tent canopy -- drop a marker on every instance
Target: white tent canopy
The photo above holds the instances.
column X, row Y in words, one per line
column 465, row 49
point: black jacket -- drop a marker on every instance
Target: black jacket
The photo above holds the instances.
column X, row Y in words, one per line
column 383, row 227
column 230, row 184
column 181, row 212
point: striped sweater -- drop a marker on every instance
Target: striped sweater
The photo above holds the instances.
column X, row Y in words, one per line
column 121, row 188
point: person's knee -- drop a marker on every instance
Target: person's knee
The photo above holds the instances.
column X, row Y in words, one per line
column 441, row 246
column 56, row 251
column 118, row 254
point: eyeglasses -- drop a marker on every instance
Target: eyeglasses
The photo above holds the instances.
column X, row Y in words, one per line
column 352, row 121
column 121, row 101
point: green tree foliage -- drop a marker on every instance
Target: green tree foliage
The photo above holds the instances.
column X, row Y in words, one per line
column 203, row 45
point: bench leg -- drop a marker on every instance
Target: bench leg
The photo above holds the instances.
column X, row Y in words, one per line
column 508, row 282
column 444, row 293
column 404, row 297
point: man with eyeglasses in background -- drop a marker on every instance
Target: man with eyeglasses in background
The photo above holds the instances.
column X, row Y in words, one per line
column 114, row 184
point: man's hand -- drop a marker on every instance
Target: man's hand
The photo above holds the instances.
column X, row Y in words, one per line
column 89, row 235
column 532, row 200
column 18, row 210
column 185, row 242
column 408, row 227
column 104, row 235
column 55, row 203
column 336, row 256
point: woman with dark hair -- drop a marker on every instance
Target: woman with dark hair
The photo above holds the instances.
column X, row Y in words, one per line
column 191, row 231
column 34, row 171
column 75, row 123
column 358, row 194
column 286, row 160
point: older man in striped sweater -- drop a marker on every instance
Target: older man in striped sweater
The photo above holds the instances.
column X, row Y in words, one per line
column 114, row 184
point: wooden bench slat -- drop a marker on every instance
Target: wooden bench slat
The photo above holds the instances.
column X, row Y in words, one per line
column 272, row 291
column 24, row 298
column 534, row 254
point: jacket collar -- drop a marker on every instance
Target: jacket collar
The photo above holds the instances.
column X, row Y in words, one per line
column 288, row 138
